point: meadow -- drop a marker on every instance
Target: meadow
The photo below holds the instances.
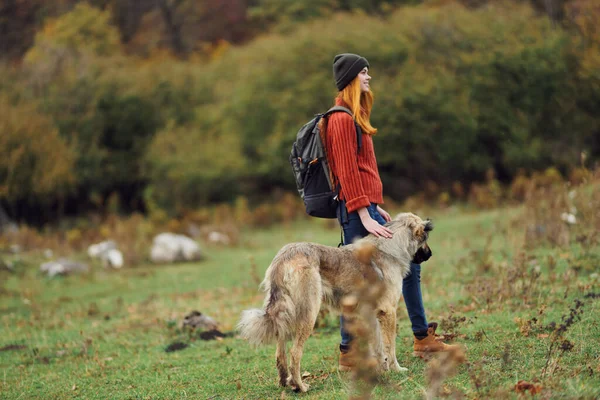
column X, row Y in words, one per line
column 523, row 313
column 112, row 129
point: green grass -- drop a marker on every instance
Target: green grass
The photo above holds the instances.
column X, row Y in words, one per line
column 103, row 335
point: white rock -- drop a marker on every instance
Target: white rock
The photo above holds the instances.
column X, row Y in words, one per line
column 219, row 238
column 113, row 258
column 107, row 252
column 568, row 218
column 62, row 266
column 96, row 250
column 170, row 247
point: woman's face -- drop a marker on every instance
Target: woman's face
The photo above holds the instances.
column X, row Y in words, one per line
column 364, row 78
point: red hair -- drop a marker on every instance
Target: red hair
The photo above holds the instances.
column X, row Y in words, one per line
column 360, row 103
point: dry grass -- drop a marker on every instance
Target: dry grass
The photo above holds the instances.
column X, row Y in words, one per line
column 359, row 310
column 524, row 306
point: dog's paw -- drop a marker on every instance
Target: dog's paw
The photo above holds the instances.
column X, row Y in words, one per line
column 297, row 387
column 302, row 387
column 396, row 367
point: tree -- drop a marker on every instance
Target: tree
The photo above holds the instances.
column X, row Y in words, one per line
column 36, row 162
column 84, row 29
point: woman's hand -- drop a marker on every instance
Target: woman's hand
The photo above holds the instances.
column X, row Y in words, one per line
column 373, row 226
column 384, row 214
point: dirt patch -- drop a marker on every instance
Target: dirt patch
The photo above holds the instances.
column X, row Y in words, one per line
column 214, row 334
column 176, row 346
column 13, row 347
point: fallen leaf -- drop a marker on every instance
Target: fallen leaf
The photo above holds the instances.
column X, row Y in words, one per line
column 542, row 335
column 524, row 386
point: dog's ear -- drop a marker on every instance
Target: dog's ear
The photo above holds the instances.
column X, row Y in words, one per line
column 428, row 225
column 420, row 230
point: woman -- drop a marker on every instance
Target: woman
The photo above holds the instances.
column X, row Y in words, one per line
column 361, row 191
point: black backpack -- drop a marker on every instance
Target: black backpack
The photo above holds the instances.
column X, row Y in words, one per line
column 311, row 169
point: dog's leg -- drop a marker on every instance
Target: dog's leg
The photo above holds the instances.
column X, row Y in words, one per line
column 281, row 358
column 387, row 319
column 295, row 378
column 306, row 323
column 306, row 293
column 377, row 346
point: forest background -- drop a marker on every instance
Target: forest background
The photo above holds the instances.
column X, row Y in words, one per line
column 169, row 106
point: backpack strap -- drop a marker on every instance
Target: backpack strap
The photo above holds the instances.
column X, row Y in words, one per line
column 356, row 126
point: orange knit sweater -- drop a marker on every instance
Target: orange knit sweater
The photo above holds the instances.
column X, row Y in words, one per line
column 357, row 174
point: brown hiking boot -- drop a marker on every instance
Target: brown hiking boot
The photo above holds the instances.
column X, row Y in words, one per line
column 431, row 344
column 347, row 361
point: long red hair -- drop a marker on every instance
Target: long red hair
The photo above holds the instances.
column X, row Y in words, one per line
column 360, row 103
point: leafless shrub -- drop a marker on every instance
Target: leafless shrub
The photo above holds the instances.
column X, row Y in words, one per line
column 532, row 325
column 441, row 368
column 543, row 209
column 496, row 283
column 487, row 195
column 481, row 380
column 227, row 234
column 363, row 326
column 451, row 324
column 557, row 211
column 558, row 343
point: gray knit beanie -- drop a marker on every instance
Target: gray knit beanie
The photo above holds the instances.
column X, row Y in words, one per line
column 345, row 68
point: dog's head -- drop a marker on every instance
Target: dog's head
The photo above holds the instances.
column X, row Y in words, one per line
column 421, row 232
column 411, row 233
column 423, row 254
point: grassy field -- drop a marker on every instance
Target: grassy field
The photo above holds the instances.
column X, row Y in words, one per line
column 103, row 335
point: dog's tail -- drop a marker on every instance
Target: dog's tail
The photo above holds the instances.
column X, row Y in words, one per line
column 266, row 325
column 275, row 320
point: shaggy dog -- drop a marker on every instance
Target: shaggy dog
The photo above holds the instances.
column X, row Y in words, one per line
column 302, row 275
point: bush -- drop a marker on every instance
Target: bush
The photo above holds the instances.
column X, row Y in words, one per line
column 75, row 71
column 458, row 92
column 36, row 162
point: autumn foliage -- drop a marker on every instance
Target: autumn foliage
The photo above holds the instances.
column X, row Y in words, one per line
column 135, row 107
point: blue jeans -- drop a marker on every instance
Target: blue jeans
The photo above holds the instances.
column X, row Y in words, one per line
column 411, row 285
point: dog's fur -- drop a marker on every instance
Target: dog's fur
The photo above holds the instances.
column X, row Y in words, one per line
column 302, row 275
